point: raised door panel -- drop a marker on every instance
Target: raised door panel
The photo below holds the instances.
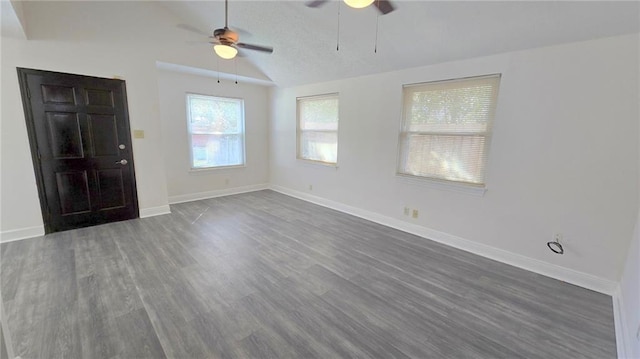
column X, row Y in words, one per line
column 65, row 135
column 59, row 95
column 73, row 192
column 104, row 135
column 98, row 97
column 111, row 190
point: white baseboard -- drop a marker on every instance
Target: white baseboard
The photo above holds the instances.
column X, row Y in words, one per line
column 29, row 232
column 154, row 211
column 622, row 335
column 517, row 260
column 36, row 231
column 217, row 193
column 22, row 233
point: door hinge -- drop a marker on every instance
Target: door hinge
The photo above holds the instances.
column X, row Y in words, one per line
column 28, row 92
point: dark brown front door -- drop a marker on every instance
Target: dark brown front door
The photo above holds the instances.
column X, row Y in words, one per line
column 81, row 148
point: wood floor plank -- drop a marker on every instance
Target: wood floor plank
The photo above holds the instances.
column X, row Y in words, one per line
column 264, row 275
column 98, row 337
column 137, row 336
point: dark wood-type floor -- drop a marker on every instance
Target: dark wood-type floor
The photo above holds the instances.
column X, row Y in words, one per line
column 263, row 275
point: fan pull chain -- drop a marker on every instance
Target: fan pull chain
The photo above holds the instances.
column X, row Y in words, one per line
column 235, row 62
column 375, row 49
column 338, row 38
column 218, row 67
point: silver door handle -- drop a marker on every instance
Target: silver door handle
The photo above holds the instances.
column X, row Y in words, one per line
column 122, row 162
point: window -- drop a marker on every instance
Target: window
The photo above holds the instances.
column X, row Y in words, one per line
column 318, row 128
column 216, row 131
column 446, row 128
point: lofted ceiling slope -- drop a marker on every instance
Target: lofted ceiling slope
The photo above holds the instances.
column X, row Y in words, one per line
column 418, row 33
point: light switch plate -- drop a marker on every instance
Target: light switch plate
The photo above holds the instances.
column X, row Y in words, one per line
column 138, row 133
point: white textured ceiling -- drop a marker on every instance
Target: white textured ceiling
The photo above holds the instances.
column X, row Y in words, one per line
column 417, row 33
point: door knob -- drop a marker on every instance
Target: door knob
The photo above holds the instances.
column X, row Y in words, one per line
column 122, row 162
column 122, row 146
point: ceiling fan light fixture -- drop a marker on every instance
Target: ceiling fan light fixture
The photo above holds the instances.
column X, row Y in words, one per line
column 225, row 51
column 358, row 4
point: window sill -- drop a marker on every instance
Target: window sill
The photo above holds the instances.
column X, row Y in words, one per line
column 317, row 163
column 212, row 169
column 451, row 186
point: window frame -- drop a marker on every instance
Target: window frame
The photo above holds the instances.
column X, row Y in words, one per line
column 190, row 133
column 458, row 185
column 300, row 131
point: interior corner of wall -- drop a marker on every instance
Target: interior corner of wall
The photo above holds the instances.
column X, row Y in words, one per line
column 18, row 9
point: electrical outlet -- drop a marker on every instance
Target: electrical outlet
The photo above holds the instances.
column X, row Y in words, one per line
column 414, row 214
column 406, row 211
column 310, row 187
column 557, row 237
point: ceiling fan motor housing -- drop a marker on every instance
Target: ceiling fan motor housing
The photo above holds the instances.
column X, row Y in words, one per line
column 226, row 36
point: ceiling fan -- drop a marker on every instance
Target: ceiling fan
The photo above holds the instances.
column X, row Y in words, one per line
column 384, row 6
column 225, row 41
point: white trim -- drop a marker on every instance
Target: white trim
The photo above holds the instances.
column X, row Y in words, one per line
column 22, row 233
column 216, row 193
column 517, row 260
column 451, row 186
column 30, row 232
column 317, row 163
column 154, row 211
column 300, row 131
column 216, row 168
column 622, row 344
column 241, row 134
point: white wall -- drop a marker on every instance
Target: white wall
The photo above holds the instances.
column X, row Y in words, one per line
column 627, row 298
column 563, row 158
column 184, row 184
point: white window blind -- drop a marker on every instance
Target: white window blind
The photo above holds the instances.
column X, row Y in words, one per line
column 446, row 128
column 216, row 131
column 318, row 128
